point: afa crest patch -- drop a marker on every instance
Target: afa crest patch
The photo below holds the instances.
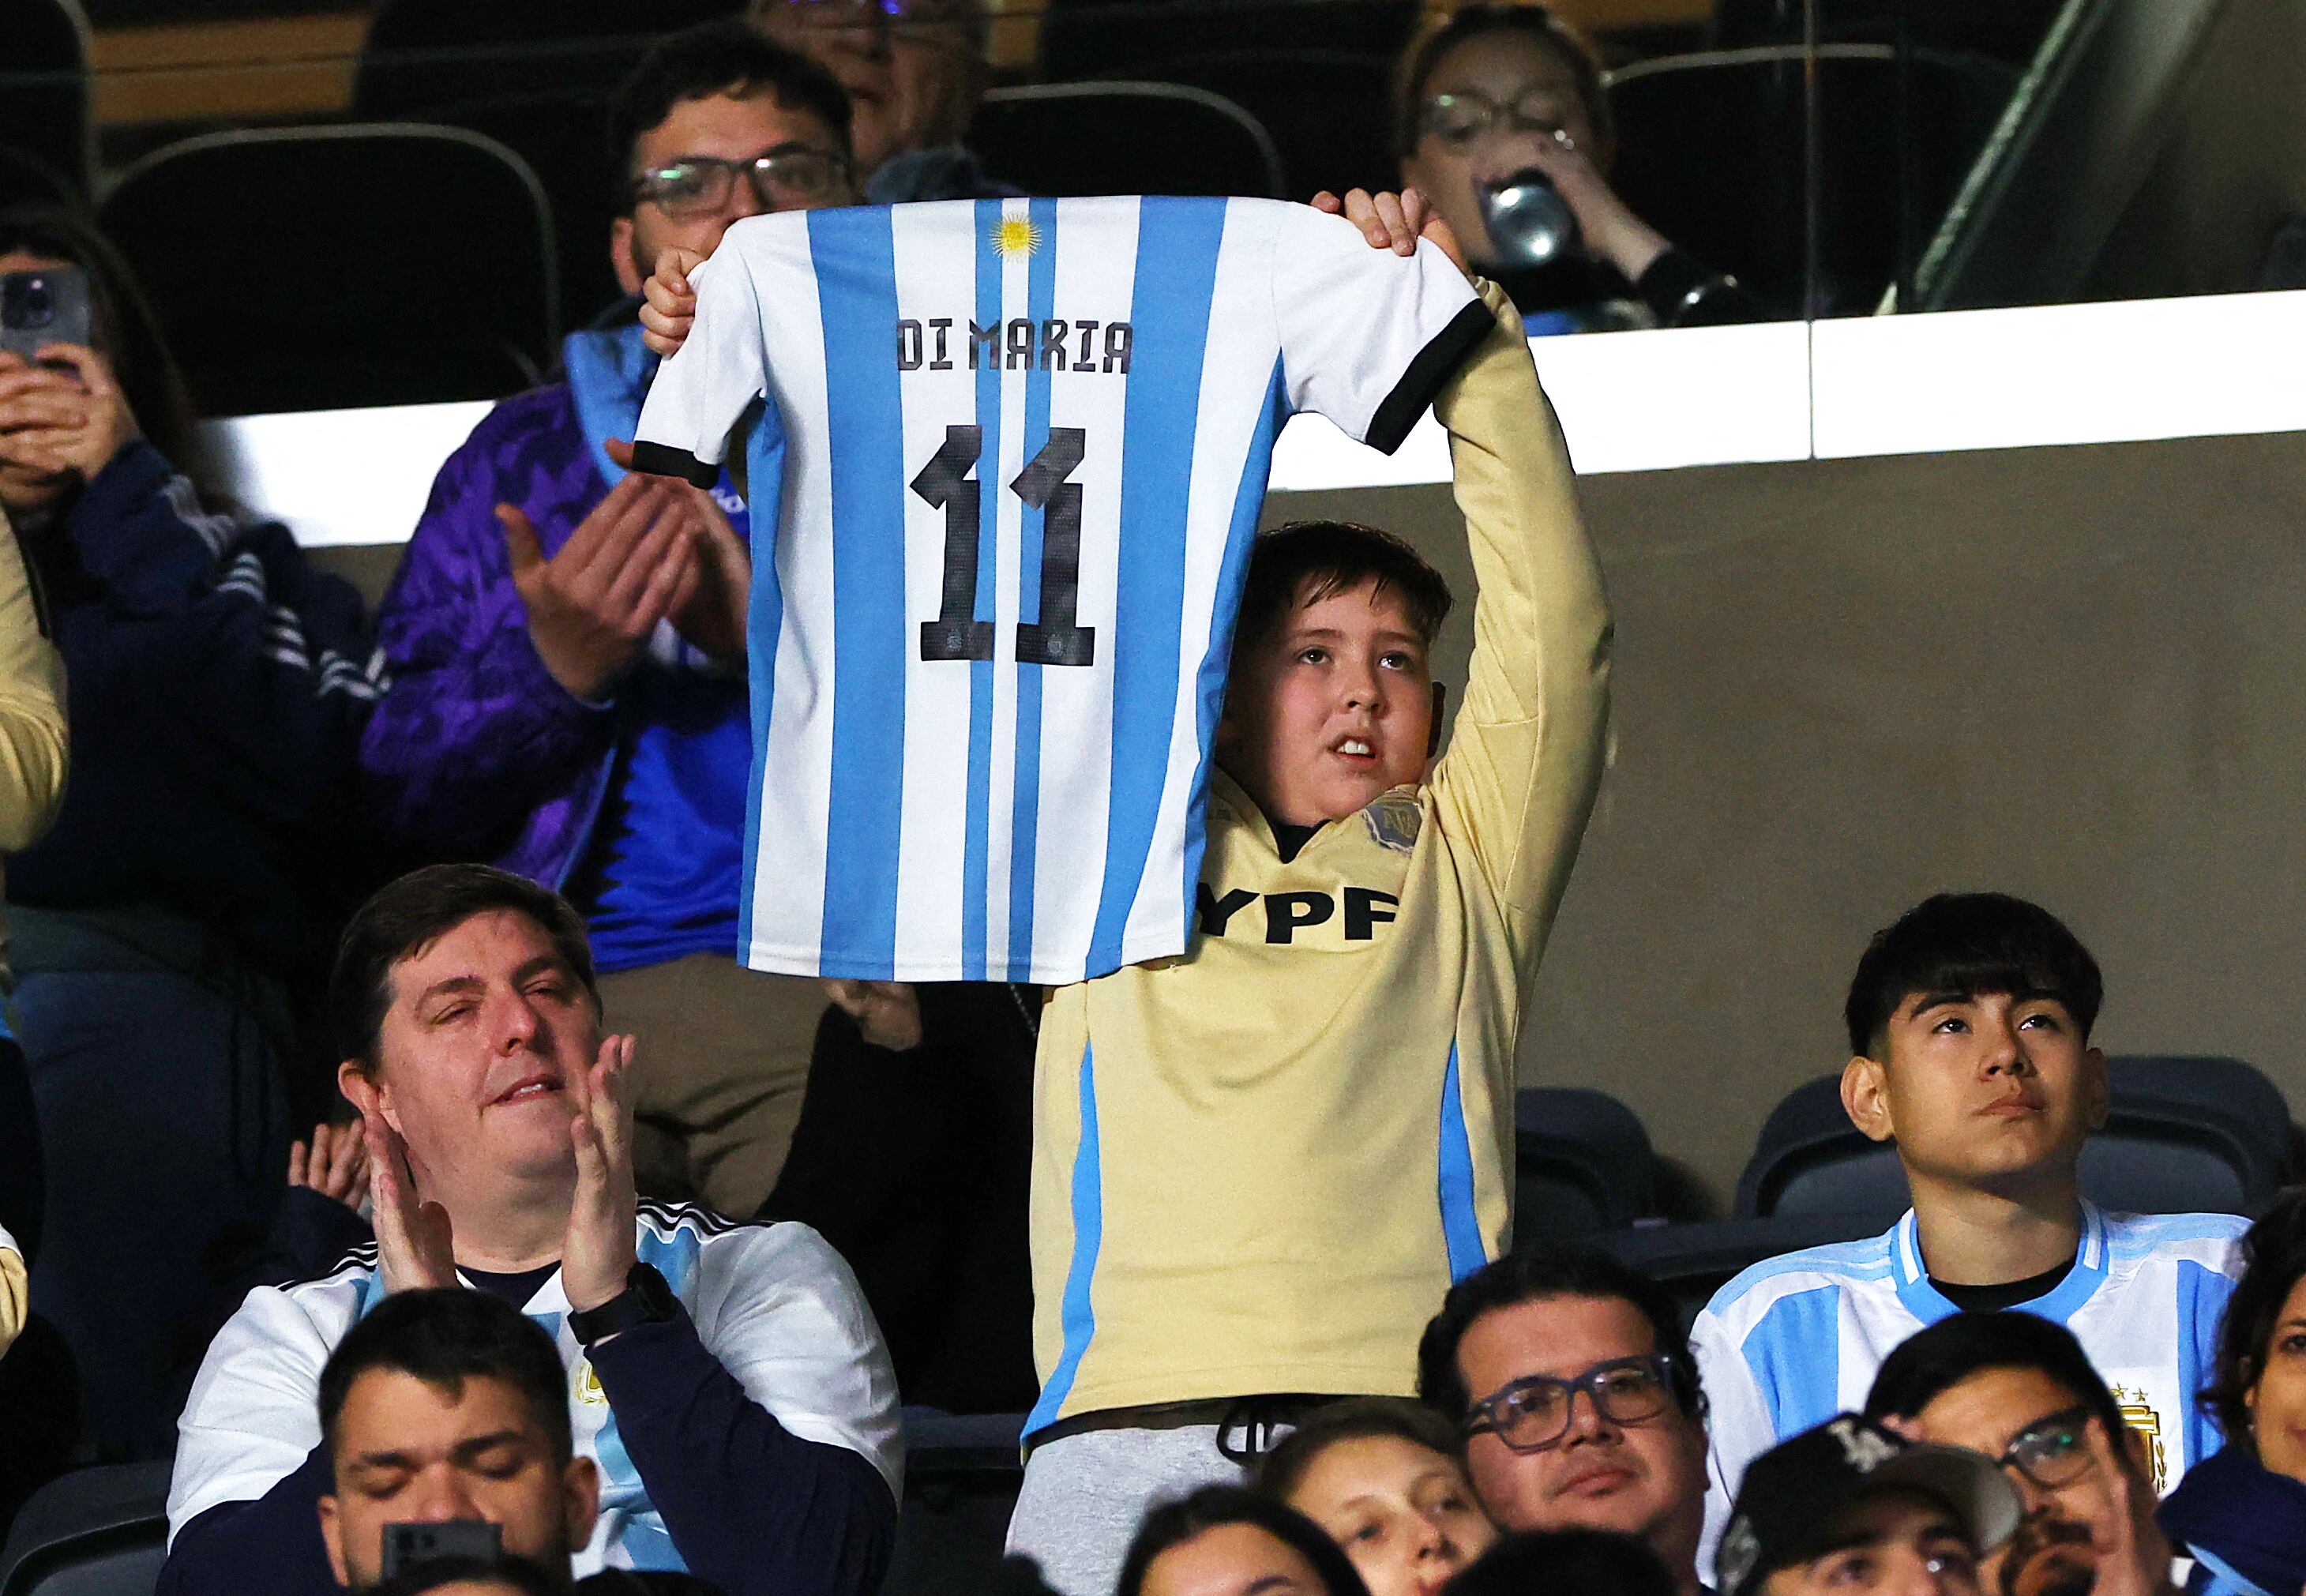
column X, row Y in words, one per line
column 585, row 1386
column 1395, row 820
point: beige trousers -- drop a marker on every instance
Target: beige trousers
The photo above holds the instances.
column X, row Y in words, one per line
column 722, row 1055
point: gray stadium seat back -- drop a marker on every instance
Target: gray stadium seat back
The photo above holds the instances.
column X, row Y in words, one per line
column 1694, row 1261
column 101, row 1532
column 1582, row 1163
column 1124, row 138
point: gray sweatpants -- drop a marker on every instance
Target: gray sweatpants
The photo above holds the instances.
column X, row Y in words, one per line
column 1083, row 1496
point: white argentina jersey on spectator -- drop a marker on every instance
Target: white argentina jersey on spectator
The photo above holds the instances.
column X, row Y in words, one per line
column 998, row 543
column 774, row 1304
column 1794, row 1341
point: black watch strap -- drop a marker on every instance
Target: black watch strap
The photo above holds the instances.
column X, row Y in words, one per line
column 647, row 1300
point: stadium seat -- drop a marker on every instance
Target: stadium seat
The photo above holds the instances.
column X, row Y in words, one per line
column 25, row 179
column 1582, row 1165
column 100, row 1531
column 1115, row 138
column 44, row 87
column 961, row 1474
column 422, row 55
column 1694, row 1261
column 304, row 269
column 2184, row 1135
column 1711, row 152
column 2006, row 30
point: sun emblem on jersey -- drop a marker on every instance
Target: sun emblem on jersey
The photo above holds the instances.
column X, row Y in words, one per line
column 1015, row 235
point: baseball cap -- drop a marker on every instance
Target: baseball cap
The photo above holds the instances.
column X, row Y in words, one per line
column 1792, row 1492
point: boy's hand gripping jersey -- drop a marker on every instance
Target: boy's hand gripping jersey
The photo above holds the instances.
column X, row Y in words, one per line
column 999, row 541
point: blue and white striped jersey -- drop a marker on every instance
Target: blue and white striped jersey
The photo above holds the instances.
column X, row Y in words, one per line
column 1794, row 1340
column 999, row 541
column 774, row 1304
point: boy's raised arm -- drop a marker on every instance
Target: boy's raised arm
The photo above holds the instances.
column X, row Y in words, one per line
column 1525, row 756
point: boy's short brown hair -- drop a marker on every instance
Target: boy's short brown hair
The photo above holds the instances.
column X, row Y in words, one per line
column 1307, row 561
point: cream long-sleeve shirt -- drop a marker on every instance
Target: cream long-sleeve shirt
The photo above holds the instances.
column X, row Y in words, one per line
column 34, row 743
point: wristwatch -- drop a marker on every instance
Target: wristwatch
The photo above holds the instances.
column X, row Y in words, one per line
column 647, row 1300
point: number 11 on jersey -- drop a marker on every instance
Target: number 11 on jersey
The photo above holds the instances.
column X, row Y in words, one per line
column 1044, row 484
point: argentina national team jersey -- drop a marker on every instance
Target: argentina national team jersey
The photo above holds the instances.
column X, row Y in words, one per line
column 774, row 1304
column 1796, row 1339
column 997, row 555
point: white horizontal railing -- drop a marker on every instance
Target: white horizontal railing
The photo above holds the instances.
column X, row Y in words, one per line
column 1631, row 401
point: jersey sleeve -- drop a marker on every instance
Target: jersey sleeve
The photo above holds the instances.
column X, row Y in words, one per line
column 785, row 1315
column 1737, row 1425
column 253, row 1416
column 1368, row 337
column 704, row 387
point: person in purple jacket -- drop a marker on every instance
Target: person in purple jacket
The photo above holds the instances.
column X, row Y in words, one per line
column 566, row 640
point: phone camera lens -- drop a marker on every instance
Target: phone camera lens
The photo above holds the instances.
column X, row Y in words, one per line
column 29, row 303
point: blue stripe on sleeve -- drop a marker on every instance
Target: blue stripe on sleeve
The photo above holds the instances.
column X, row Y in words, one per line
column 977, row 837
column 1177, row 243
column 853, row 253
column 1077, row 1314
column 1795, row 1353
column 2203, row 1297
column 764, row 465
column 1025, row 816
column 1461, row 1225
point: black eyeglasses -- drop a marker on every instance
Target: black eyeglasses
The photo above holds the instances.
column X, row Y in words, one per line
column 1533, row 1411
column 784, row 178
column 1459, row 118
column 2052, row 1451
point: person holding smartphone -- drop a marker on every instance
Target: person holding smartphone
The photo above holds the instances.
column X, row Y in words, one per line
column 176, row 914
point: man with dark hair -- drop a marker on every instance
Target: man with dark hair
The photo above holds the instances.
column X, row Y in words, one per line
column 1851, row 1508
column 566, row 640
column 1969, row 1031
column 726, row 1382
column 2022, row 1390
column 1516, row 1346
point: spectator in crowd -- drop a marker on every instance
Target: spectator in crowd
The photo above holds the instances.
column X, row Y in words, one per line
column 1969, row 1024
column 1852, row 1508
column 1516, row 1346
column 567, row 642
column 1382, row 1477
column 2240, row 1514
column 726, row 1380
column 915, row 71
column 450, row 1405
column 2021, row 1389
column 1488, row 91
column 1185, row 1276
column 1184, row 1297
column 1566, row 1562
column 1223, row 1540
column 166, row 926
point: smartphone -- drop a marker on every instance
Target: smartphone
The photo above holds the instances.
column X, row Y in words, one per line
column 406, row 1545
column 43, row 307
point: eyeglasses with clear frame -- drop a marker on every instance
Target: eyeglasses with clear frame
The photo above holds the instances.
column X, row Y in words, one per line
column 1531, row 1414
column 2053, row 1450
column 1460, row 117
column 784, row 178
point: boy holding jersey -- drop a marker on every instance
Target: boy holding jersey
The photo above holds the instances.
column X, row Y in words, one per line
column 1969, row 1024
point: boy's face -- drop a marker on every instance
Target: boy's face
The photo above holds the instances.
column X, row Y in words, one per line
column 1983, row 1090
column 1332, row 708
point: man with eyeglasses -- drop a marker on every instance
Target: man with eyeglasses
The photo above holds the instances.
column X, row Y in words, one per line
column 1573, row 1385
column 915, row 71
column 2021, row 1389
column 566, row 640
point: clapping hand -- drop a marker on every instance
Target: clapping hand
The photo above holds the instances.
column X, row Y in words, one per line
column 336, row 1166
column 712, row 616
column 414, row 1250
column 628, row 565
column 598, row 1252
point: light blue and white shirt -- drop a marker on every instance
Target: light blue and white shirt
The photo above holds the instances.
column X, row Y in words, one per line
column 1794, row 1340
column 999, row 541
column 774, row 1304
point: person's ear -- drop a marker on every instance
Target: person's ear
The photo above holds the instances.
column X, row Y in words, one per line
column 2099, row 1097
column 1866, row 1098
column 362, row 1089
column 630, row 274
column 1433, row 732
column 332, row 1536
column 580, row 1488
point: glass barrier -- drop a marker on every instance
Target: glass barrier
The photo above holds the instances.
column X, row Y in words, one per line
column 1618, row 163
